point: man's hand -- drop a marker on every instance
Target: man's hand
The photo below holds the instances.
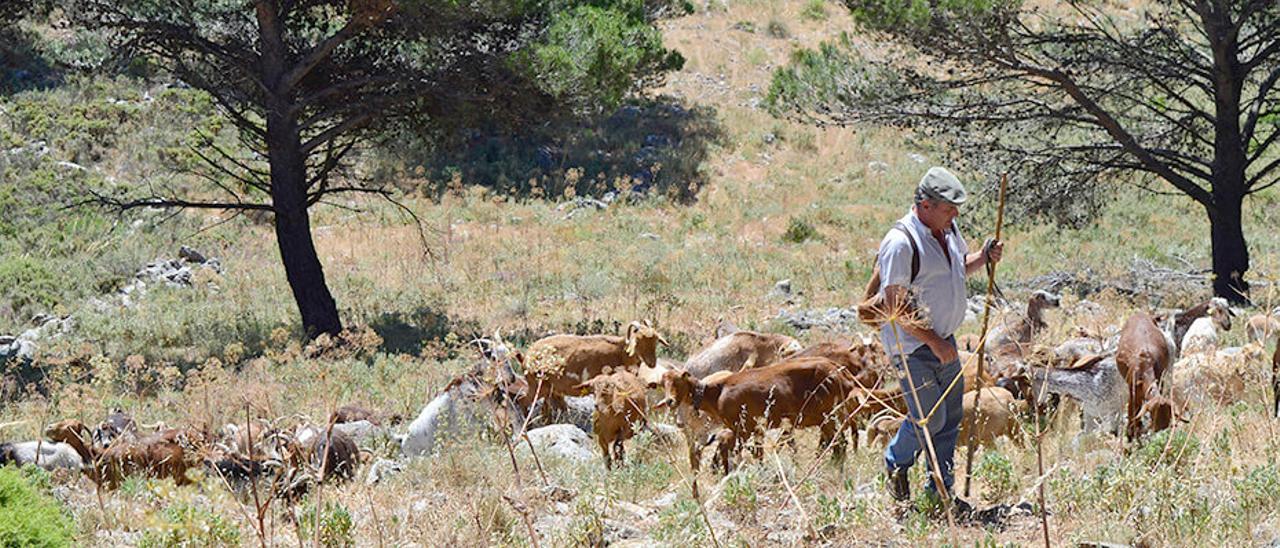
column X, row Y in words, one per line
column 945, row 351
column 993, row 249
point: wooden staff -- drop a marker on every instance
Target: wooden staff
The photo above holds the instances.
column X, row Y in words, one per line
column 982, row 341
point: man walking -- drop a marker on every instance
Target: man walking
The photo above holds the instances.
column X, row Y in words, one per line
column 925, row 255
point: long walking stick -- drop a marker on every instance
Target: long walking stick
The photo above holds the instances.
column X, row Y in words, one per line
column 982, row 341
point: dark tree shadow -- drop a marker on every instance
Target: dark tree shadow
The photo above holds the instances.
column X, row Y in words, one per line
column 407, row 333
column 653, row 146
column 22, row 67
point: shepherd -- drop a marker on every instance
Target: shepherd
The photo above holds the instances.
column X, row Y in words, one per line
column 922, row 265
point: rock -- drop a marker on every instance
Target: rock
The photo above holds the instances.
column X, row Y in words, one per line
column 662, row 501
column 359, row 431
column 665, row 434
column 382, row 469
column 191, row 255
column 834, row 319
column 917, row 158
column 615, row 531
column 877, row 166
column 783, row 287
column 565, row 441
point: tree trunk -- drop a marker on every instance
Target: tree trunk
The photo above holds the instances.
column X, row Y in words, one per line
column 289, row 187
column 1230, row 252
column 293, row 230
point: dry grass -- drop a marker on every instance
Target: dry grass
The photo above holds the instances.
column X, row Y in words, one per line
column 521, row 267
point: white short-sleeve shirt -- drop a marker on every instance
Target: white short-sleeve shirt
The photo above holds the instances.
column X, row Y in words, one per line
column 939, row 284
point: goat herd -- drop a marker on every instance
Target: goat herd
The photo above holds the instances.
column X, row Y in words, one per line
column 1139, row 376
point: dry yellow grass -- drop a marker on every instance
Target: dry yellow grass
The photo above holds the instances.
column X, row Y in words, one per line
column 520, row 266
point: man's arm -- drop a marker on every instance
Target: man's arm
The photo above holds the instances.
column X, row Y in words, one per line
column 945, row 351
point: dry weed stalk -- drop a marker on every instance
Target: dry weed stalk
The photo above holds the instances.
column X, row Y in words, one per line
column 971, row 447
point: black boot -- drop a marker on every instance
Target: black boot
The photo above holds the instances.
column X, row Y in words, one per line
column 899, row 485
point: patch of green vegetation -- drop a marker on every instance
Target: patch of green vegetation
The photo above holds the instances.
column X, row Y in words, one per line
column 815, row 10
column 337, row 530
column 29, row 516
column 999, row 475
column 799, row 231
column 681, row 524
column 186, row 524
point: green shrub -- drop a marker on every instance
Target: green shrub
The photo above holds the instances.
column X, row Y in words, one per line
column 28, row 515
column 27, row 285
column 184, row 524
column 815, row 10
column 1169, row 447
column 799, row 231
column 336, row 525
column 740, row 493
column 997, row 471
column 681, row 523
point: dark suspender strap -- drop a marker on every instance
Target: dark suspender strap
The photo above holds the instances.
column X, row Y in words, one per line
column 915, row 250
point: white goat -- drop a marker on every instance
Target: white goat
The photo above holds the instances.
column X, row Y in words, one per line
column 1217, row 310
column 1095, row 383
column 45, row 454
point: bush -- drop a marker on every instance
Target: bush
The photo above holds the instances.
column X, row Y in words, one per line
column 27, row 285
column 815, row 10
column 28, row 516
column 681, row 523
column 799, row 231
column 777, row 29
column 184, row 524
column 997, row 471
column 336, row 525
column 1170, row 447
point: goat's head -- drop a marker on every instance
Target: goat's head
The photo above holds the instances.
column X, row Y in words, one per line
column 1161, row 411
column 1045, row 299
column 867, row 349
column 642, row 341
column 677, row 387
column 65, row 431
column 788, row 346
column 1220, row 311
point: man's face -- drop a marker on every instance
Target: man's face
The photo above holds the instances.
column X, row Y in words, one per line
column 937, row 215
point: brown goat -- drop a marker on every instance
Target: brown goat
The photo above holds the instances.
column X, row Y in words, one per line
column 865, row 360
column 353, row 413
column 338, row 455
column 1143, row 355
column 620, row 407
column 1263, row 327
column 557, row 365
column 1014, row 337
column 159, row 455
column 997, row 416
column 801, row 391
column 741, row 350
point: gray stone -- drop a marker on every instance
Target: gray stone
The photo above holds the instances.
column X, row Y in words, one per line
column 382, row 469
column 562, row 440
column 783, row 286
column 190, row 255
